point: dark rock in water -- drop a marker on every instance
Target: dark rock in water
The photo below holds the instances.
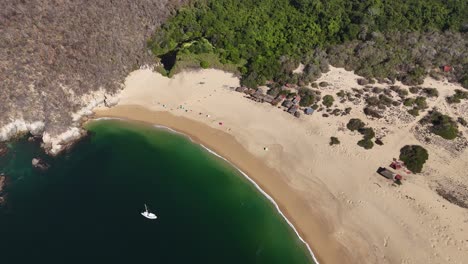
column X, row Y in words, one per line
column 40, row 164
column 34, row 139
column 3, row 149
column 3, row 183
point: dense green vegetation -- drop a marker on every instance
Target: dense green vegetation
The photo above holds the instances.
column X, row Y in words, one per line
column 442, row 125
column 266, row 39
column 414, row 157
column 308, row 97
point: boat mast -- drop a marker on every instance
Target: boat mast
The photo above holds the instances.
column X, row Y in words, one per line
column 146, row 208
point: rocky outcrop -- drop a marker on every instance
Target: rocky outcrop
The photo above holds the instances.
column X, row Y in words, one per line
column 3, row 149
column 59, row 59
column 20, row 126
column 39, row 164
column 55, row 144
column 3, row 181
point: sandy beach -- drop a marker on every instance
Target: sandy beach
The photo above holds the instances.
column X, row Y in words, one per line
column 344, row 210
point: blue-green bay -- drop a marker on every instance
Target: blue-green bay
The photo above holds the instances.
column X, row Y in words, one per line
column 86, row 207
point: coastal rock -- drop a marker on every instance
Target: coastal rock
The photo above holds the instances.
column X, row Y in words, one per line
column 40, row 164
column 55, row 144
column 3, row 182
column 3, row 149
column 20, row 126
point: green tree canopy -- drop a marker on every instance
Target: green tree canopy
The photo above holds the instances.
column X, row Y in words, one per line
column 414, row 157
column 257, row 34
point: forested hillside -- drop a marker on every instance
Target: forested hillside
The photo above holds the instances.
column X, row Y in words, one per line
column 265, row 38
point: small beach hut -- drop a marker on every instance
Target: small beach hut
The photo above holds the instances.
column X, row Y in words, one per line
column 308, row 111
column 281, row 96
column 386, row 173
column 276, row 101
column 258, row 96
column 447, row 68
column 296, row 99
column 395, row 165
column 293, row 109
column 287, row 103
column 389, row 174
column 268, row 98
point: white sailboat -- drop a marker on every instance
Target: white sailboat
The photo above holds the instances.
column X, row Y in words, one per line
column 148, row 214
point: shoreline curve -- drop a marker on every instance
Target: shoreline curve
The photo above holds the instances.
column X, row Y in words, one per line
column 263, row 192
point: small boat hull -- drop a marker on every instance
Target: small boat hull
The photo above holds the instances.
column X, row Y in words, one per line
column 149, row 215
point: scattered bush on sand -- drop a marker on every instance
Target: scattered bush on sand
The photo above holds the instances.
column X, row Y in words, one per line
column 334, row 141
column 328, row 100
column 462, row 121
column 442, row 125
column 414, row 89
column 372, row 111
column 431, row 92
column 408, row 102
column 366, row 143
column 402, row 92
column 367, row 132
column 355, row 124
column 414, row 112
column 420, row 102
column 414, row 157
column 457, row 97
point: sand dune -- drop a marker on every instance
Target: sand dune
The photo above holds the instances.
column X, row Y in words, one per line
column 346, row 212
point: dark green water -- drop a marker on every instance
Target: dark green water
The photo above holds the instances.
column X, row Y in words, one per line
column 86, row 207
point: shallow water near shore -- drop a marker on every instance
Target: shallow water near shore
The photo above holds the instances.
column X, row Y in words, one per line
column 87, row 205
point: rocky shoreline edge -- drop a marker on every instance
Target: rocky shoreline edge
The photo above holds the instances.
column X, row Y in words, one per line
column 54, row 144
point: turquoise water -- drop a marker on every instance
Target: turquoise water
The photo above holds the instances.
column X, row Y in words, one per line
column 86, row 207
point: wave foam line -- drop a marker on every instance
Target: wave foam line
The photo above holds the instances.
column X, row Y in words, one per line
column 267, row 196
column 243, row 173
